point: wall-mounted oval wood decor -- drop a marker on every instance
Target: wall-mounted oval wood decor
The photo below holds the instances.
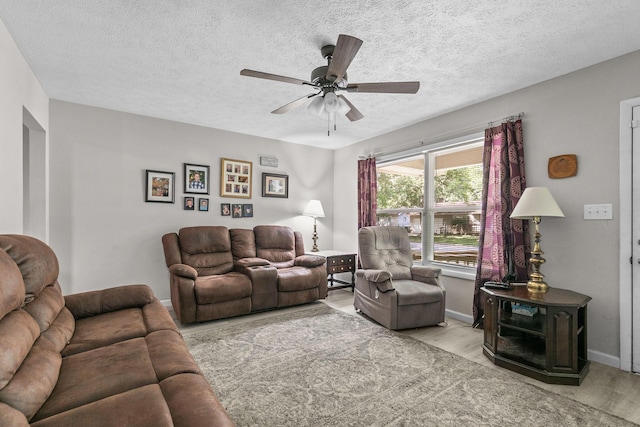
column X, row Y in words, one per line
column 563, row 166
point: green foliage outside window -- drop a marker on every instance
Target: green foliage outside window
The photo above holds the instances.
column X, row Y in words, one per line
column 459, row 185
column 399, row 191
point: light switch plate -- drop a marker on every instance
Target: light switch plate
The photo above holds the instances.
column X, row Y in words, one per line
column 601, row 211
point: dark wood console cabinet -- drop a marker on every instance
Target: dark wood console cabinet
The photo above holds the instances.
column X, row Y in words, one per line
column 550, row 346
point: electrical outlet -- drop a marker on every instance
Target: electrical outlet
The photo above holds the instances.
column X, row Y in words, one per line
column 602, row 211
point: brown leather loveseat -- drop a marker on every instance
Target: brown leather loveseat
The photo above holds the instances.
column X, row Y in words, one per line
column 216, row 272
column 112, row 357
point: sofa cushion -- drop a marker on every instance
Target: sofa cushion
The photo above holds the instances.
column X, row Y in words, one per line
column 142, row 406
column 221, row 288
column 18, row 333
column 296, row 279
column 34, row 381
column 96, row 374
column 12, row 290
column 37, row 263
column 46, row 307
column 207, row 249
column 276, row 244
column 243, row 243
column 411, row 292
column 108, row 328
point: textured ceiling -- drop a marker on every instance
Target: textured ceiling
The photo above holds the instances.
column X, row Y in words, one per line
column 181, row 60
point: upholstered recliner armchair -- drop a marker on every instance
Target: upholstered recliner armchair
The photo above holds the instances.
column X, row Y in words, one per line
column 389, row 288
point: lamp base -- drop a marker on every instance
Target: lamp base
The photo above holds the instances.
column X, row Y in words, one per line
column 537, row 287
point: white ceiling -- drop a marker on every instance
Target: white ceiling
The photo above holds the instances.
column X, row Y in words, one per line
column 181, row 60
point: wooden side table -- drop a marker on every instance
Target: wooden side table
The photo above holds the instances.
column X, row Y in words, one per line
column 548, row 344
column 339, row 262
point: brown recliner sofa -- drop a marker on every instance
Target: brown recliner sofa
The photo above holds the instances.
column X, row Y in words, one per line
column 112, row 357
column 216, row 272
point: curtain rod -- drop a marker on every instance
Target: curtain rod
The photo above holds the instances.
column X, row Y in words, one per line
column 477, row 127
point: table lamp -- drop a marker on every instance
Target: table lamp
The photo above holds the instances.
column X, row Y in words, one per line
column 535, row 203
column 314, row 209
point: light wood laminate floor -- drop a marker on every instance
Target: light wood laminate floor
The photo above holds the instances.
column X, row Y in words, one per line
column 608, row 389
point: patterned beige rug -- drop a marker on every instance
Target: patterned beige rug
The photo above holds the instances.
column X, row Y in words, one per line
column 321, row 367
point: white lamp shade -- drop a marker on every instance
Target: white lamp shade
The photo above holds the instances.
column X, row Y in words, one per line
column 536, row 201
column 316, row 106
column 331, row 104
column 343, row 107
column 314, row 209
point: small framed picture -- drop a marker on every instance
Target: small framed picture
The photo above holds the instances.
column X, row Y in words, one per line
column 203, row 204
column 247, row 210
column 189, row 203
column 160, row 186
column 196, row 178
column 236, row 211
column 275, row 185
column 235, row 178
column 225, row 209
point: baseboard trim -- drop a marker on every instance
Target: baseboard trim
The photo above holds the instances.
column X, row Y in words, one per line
column 604, row 358
column 166, row 303
column 459, row 316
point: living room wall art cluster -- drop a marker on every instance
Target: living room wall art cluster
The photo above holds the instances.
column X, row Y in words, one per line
column 235, row 181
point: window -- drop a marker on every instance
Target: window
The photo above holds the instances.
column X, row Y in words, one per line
column 446, row 205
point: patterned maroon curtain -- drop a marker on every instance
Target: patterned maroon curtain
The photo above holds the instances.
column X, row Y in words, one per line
column 504, row 244
column 367, row 192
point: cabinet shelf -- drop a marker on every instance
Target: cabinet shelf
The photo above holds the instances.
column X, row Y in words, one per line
column 550, row 346
column 536, row 325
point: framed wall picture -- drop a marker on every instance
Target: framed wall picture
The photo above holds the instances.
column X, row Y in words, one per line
column 225, row 209
column 236, row 210
column 160, row 186
column 203, row 204
column 235, row 178
column 247, row 210
column 275, row 185
column 189, row 203
column 196, row 178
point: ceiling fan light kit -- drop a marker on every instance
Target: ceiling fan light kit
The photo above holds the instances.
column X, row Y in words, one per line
column 331, row 78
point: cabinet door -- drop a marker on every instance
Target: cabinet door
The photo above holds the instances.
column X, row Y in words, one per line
column 490, row 322
column 562, row 351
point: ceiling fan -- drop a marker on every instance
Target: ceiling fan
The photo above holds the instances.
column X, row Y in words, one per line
column 332, row 78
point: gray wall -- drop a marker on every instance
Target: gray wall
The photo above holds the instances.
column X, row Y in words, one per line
column 19, row 90
column 101, row 228
column 578, row 113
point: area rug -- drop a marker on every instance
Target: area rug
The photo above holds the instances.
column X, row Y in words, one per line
column 320, row 367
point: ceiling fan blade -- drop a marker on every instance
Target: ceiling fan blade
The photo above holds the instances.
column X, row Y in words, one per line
column 385, row 87
column 353, row 114
column 344, row 52
column 276, row 77
column 293, row 104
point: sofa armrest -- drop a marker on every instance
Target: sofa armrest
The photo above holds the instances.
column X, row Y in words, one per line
column 425, row 274
column 249, row 262
column 92, row 303
column 380, row 278
column 183, row 270
column 309, row 260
